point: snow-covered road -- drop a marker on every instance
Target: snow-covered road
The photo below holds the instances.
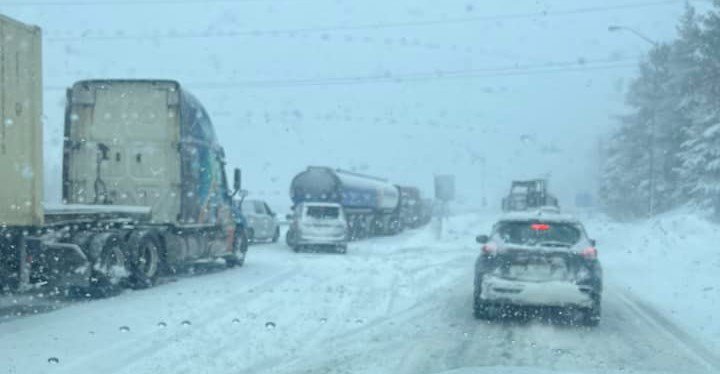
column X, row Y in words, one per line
column 391, row 305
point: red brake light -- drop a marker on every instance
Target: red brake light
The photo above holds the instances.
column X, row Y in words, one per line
column 489, row 249
column 589, row 253
column 540, row 226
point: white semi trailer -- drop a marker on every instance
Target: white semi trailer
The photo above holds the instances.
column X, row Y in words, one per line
column 143, row 179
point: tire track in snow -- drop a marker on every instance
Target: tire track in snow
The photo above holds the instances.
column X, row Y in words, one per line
column 148, row 344
column 692, row 347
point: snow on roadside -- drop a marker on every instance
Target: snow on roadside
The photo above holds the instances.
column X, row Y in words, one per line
column 672, row 262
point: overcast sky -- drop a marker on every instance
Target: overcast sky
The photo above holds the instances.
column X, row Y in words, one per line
column 402, row 90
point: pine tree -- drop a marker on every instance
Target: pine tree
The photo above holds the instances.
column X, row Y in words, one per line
column 701, row 151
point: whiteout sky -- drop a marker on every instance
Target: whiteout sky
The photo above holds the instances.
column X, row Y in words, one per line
column 523, row 125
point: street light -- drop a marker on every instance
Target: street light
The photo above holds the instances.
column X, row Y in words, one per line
column 616, row 28
column 651, row 135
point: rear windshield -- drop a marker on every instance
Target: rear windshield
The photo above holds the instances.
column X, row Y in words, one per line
column 322, row 212
column 538, row 233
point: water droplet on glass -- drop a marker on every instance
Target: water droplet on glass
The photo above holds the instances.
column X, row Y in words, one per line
column 270, row 325
column 236, row 320
column 186, row 323
column 323, row 320
column 162, row 324
column 359, row 321
column 53, row 360
column 124, row 329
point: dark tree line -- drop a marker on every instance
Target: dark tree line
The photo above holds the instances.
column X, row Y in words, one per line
column 666, row 152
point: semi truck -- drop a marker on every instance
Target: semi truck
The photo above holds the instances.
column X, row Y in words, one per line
column 371, row 204
column 144, row 185
column 152, row 143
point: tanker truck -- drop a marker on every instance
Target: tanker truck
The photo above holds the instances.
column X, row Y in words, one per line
column 371, row 204
column 143, row 191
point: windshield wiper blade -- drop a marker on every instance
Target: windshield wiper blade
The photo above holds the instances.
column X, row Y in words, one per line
column 551, row 243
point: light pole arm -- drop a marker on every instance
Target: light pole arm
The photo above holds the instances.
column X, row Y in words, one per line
column 637, row 33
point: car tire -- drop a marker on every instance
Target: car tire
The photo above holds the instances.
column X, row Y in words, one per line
column 591, row 316
column 250, row 235
column 480, row 309
column 276, row 236
column 240, row 247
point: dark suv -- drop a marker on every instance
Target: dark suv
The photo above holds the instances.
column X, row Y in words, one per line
column 538, row 259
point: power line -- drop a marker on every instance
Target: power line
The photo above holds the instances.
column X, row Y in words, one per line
column 516, row 70
column 373, row 26
column 397, row 79
column 129, row 2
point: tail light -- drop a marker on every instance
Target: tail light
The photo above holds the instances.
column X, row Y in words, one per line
column 489, row 249
column 589, row 253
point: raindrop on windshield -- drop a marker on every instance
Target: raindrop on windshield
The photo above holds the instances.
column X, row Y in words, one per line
column 162, row 324
column 270, row 325
column 186, row 323
column 323, row 320
column 53, row 360
column 236, row 320
column 124, row 329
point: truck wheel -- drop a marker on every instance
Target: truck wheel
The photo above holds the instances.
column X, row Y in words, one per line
column 276, row 236
column 108, row 265
column 240, row 247
column 143, row 251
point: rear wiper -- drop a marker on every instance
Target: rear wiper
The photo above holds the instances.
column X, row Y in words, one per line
column 553, row 244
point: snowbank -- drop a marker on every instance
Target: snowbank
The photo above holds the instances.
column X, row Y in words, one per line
column 672, row 262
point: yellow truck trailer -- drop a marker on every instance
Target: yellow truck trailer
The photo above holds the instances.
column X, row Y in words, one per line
column 143, row 181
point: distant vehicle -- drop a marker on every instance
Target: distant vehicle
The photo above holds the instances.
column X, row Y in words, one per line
column 528, row 195
column 373, row 205
column 317, row 225
column 426, row 211
column 262, row 224
column 538, row 259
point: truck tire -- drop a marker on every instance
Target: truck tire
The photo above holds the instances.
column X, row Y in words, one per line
column 108, row 264
column 143, row 254
column 240, row 247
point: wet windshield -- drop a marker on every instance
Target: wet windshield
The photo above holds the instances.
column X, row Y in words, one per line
column 315, row 186
column 537, row 233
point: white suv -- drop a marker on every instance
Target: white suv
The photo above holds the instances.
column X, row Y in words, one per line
column 317, row 225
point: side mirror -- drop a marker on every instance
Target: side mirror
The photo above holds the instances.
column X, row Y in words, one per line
column 593, row 242
column 482, row 239
column 237, row 180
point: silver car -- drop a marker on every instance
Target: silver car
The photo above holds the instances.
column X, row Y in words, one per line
column 317, row 225
column 262, row 224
